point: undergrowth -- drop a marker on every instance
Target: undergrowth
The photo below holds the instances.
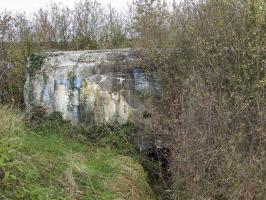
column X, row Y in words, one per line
column 40, row 160
column 117, row 137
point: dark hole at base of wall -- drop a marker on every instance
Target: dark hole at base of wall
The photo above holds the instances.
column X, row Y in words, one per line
column 156, row 162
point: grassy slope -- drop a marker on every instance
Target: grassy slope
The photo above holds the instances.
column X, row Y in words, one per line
column 53, row 166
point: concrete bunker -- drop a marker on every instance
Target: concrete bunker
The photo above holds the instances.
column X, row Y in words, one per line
column 88, row 87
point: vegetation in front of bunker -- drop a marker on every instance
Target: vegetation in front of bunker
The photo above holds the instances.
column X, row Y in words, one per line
column 111, row 135
column 117, row 138
column 42, row 162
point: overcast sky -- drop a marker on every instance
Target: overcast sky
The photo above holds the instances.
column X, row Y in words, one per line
column 32, row 5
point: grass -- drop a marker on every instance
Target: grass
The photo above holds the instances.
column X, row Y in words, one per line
column 50, row 165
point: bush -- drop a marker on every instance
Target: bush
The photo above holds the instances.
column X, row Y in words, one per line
column 212, row 101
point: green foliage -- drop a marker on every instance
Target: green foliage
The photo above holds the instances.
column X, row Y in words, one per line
column 38, row 120
column 117, row 137
column 45, row 163
column 157, row 179
column 35, row 62
column 12, row 75
column 9, row 167
column 71, row 79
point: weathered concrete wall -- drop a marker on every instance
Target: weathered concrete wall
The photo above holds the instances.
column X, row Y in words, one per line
column 90, row 87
